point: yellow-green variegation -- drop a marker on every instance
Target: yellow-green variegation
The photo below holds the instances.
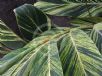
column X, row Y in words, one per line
column 96, row 36
column 29, row 19
column 79, row 55
column 70, row 9
column 63, row 54
column 77, row 1
column 54, row 51
column 8, row 39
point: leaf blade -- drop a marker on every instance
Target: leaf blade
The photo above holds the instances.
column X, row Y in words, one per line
column 96, row 35
column 70, row 9
column 75, row 1
column 9, row 39
column 79, row 55
column 29, row 19
column 10, row 65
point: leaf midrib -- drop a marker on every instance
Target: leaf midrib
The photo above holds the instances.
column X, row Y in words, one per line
column 79, row 58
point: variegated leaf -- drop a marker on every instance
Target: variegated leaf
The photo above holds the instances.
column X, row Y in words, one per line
column 96, row 36
column 8, row 39
column 76, row 10
column 55, row 1
column 77, row 1
column 79, row 55
column 30, row 19
column 85, row 22
column 38, row 58
column 4, row 50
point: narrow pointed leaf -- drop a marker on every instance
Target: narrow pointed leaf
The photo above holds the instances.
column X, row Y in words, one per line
column 96, row 35
column 85, row 22
column 70, row 9
column 77, row 1
column 55, row 1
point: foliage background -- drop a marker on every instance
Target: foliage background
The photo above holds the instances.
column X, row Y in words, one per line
column 7, row 14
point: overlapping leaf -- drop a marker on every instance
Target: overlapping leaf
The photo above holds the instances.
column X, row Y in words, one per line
column 38, row 58
column 85, row 22
column 14, row 57
column 96, row 36
column 79, row 55
column 4, row 50
column 70, row 9
column 77, row 1
column 55, row 1
column 8, row 39
column 30, row 19
column 81, row 1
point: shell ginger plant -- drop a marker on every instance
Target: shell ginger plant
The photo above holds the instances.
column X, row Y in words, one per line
column 45, row 49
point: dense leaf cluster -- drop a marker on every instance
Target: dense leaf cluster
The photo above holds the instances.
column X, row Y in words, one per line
column 45, row 49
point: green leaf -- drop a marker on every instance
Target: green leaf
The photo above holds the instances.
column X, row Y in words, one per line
column 38, row 58
column 83, row 1
column 96, row 35
column 71, row 53
column 44, row 62
column 30, row 19
column 4, row 50
column 76, row 10
column 8, row 39
column 12, row 59
column 85, row 22
column 79, row 55
column 77, row 1
column 55, row 31
column 55, row 1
